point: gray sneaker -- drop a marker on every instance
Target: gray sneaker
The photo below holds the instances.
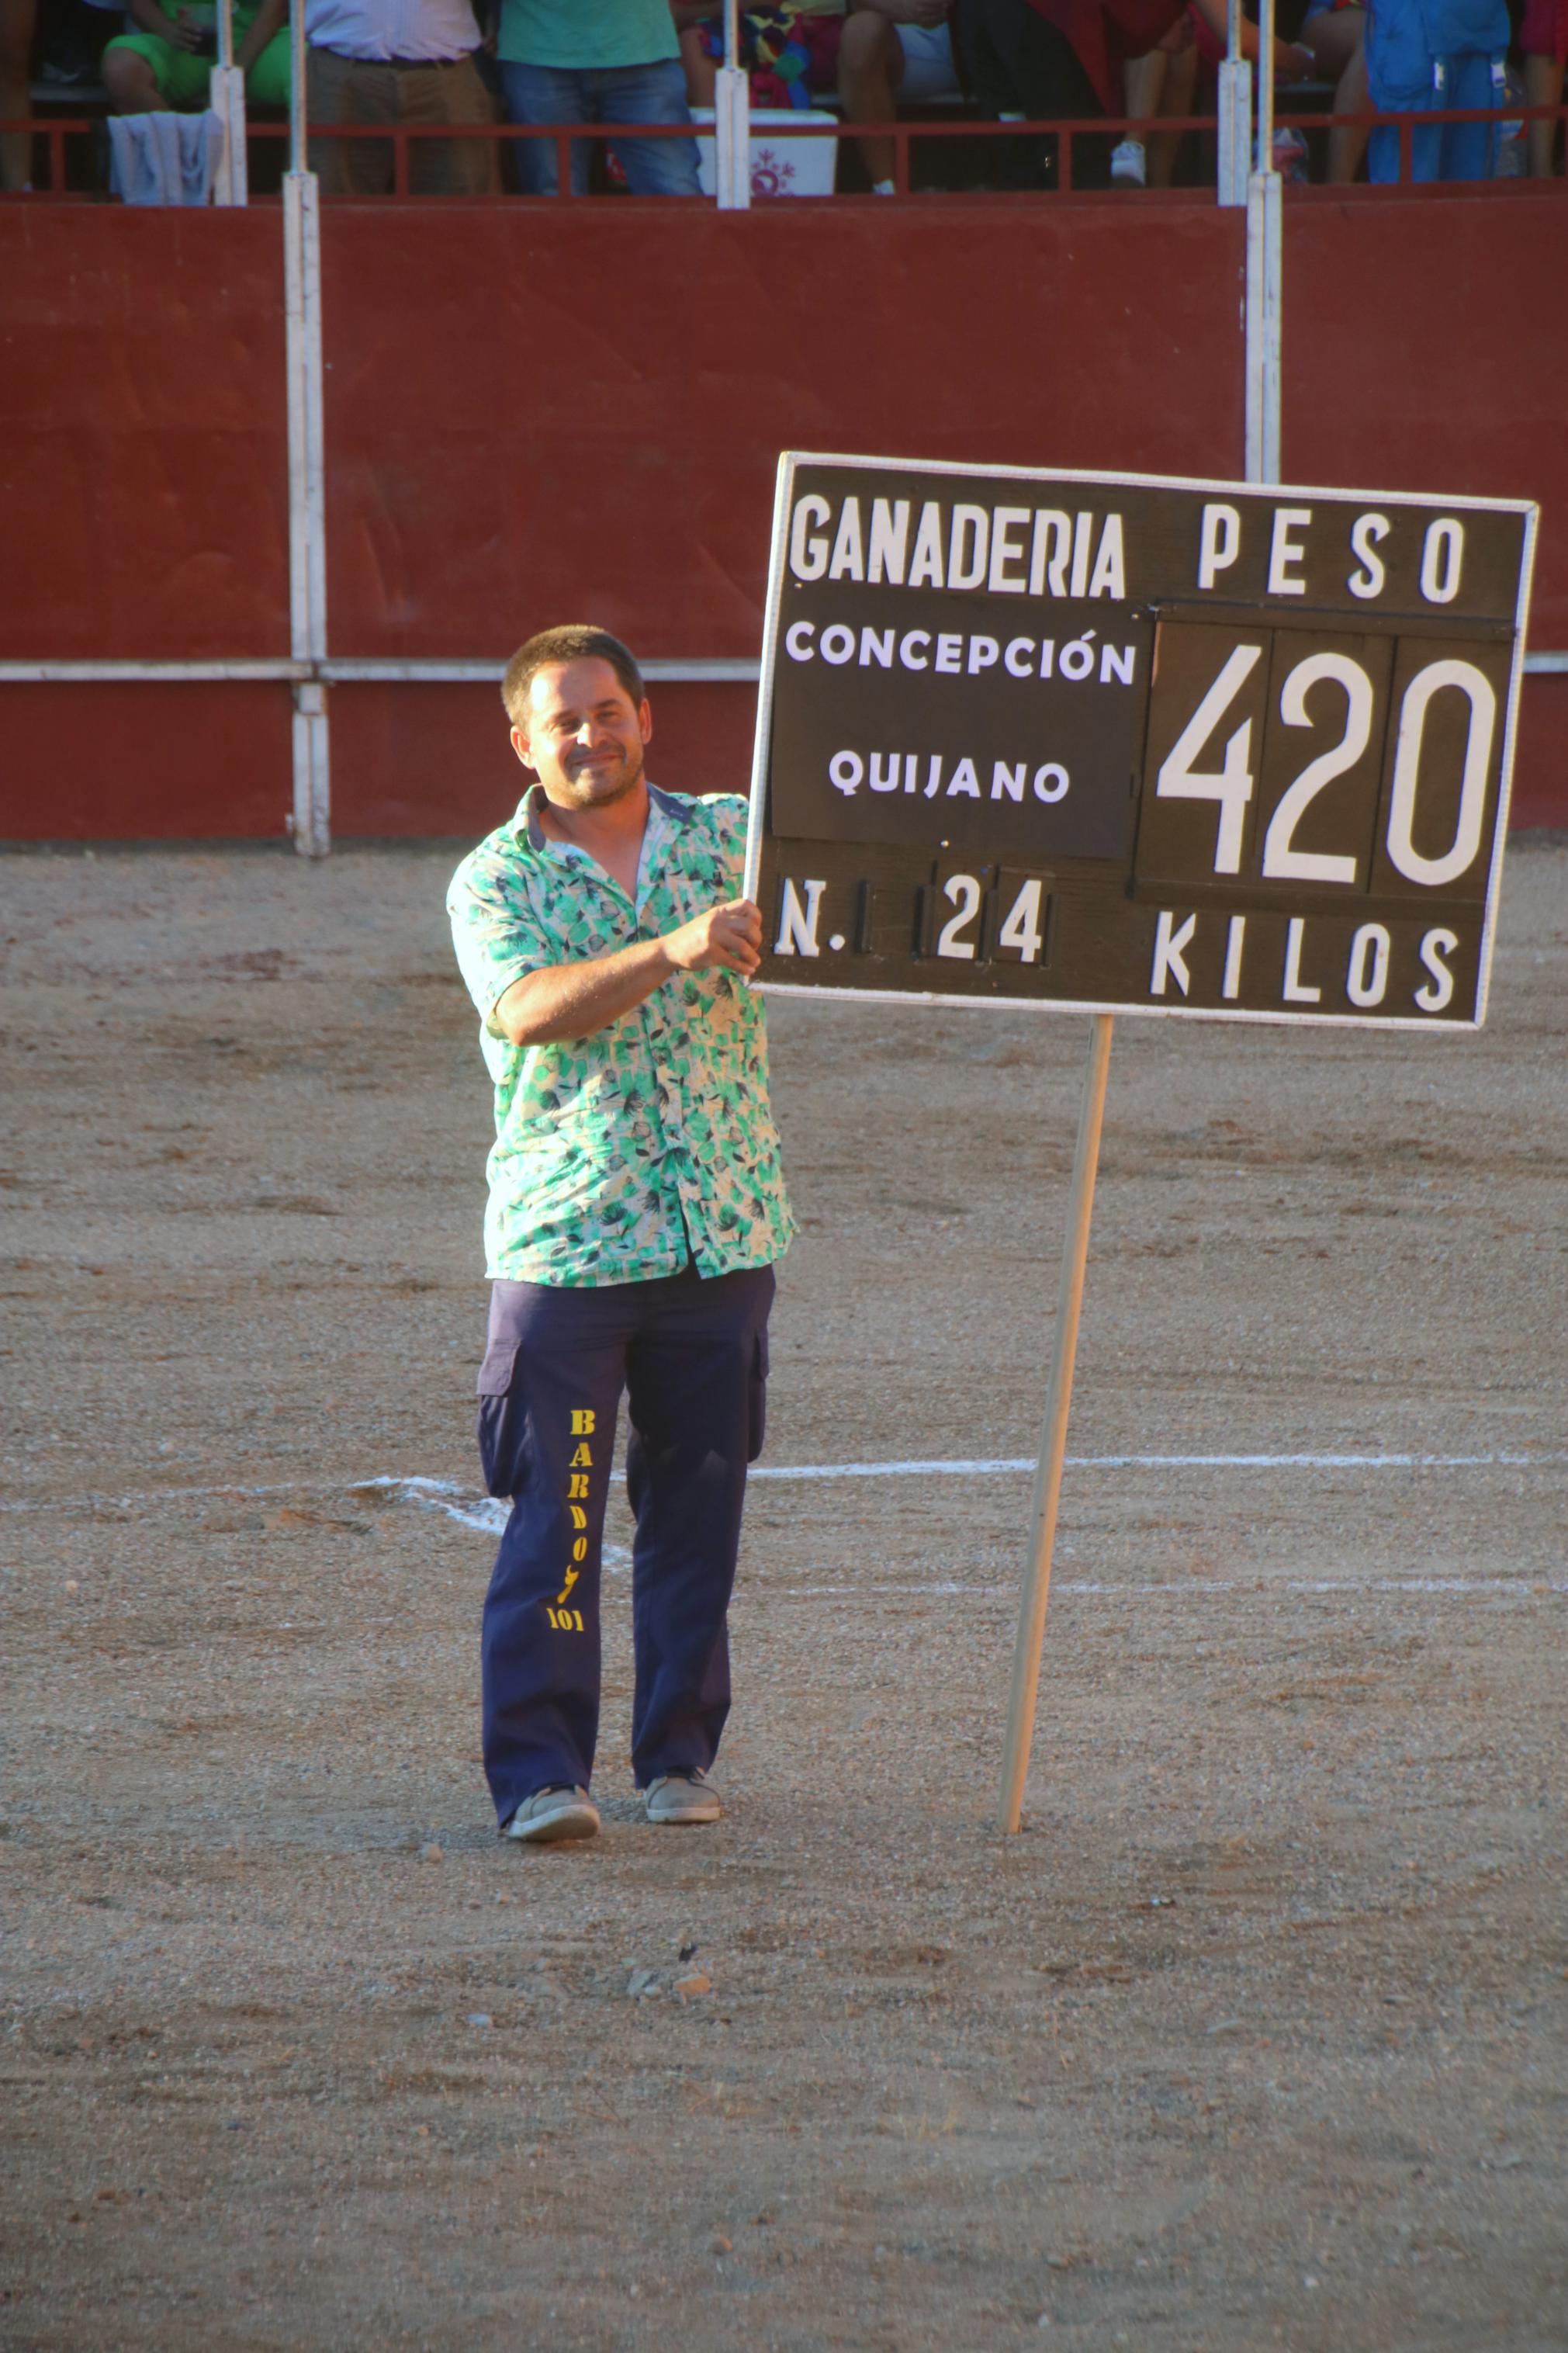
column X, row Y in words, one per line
column 1129, row 167
column 554, row 1814
column 682, row 1798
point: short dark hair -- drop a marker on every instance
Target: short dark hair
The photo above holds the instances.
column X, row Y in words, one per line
column 574, row 641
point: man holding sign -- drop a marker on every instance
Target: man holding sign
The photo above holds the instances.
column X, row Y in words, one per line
column 636, row 1207
column 1203, row 750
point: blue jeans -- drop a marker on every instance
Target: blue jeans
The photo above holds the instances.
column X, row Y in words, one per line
column 654, row 93
column 690, row 1355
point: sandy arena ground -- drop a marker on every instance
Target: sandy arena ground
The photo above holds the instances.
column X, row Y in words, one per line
column 1253, row 2037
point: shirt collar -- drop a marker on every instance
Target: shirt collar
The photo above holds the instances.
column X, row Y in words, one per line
column 676, row 808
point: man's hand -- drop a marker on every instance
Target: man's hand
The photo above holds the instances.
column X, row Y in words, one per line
column 729, row 937
column 186, row 34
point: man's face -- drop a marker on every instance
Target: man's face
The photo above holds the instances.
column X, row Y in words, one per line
column 581, row 734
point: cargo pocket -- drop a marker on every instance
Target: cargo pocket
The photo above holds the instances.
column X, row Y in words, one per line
column 502, row 1428
column 757, row 1399
column 1401, row 68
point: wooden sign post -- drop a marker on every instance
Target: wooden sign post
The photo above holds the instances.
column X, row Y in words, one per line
column 1121, row 743
column 1029, row 1641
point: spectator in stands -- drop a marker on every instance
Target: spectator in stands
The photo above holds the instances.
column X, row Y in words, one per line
column 397, row 61
column 168, row 62
column 1335, row 32
column 1543, row 37
column 1064, row 61
column 18, row 22
column 75, row 35
column 1436, row 53
column 596, row 61
column 1046, row 61
column 1162, row 81
column 893, row 49
column 790, row 49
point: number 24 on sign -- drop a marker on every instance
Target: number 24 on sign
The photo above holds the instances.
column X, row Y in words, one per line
column 1019, row 929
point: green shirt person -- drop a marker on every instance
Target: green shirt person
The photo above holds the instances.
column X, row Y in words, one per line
column 636, row 1207
column 167, row 60
column 565, row 61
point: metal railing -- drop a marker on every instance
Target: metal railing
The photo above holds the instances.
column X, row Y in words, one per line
column 1069, row 135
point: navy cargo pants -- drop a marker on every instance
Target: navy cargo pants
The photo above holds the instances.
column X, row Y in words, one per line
column 691, row 1355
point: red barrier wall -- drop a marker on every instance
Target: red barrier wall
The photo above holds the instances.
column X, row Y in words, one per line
column 536, row 413
column 143, row 496
column 1540, row 762
column 112, row 763
column 587, row 416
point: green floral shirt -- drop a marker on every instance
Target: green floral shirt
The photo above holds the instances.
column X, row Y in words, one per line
column 612, row 1150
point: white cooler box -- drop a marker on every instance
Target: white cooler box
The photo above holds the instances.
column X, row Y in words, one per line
column 781, row 166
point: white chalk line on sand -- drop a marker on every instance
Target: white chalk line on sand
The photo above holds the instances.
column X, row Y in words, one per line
column 1524, row 1587
column 477, row 1511
column 1164, row 1463
column 489, row 1515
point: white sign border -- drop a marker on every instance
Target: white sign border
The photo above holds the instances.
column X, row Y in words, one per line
column 843, row 991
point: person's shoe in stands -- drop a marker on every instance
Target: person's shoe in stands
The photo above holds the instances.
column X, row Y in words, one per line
column 682, row 1798
column 561, row 1811
column 1290, row 158
column 1128, row 168
column 75, row 42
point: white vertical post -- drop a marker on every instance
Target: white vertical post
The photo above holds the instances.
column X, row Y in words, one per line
column 297, row 107
column 1031, row 1637
column 733, row 122
column 1265, row 275
column 231, row 182
column 1234, row 113
column 307, row 471
column 1264, row 258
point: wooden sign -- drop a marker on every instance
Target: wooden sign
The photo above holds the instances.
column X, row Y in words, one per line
column 1124, row 743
